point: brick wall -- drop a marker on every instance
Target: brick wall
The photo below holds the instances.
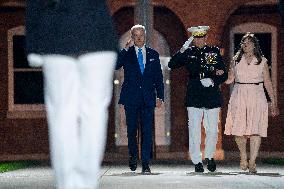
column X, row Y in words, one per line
column 28, row 138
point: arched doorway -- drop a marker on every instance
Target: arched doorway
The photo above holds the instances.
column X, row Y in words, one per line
column 263, row 20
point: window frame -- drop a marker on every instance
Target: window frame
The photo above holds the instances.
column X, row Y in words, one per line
column 19, row 110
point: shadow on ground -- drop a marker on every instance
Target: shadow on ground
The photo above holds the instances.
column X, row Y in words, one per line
column 218, row 174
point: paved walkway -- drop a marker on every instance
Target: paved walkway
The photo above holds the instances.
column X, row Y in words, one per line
column 164, row 176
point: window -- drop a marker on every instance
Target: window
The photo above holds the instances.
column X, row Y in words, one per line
column 25, row 84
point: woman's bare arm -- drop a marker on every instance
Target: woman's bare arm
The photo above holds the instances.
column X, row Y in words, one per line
column 269, row 87
column 231, row 75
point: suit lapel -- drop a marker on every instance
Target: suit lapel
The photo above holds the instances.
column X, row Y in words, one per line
column 147, row 57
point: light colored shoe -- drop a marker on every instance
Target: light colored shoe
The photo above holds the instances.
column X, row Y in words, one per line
column 252, row 167
column 244, row 164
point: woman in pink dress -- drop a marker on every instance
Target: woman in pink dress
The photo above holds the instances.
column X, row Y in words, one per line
column 248, row 107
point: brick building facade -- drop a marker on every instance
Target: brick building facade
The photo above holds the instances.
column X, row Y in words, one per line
column 23, row 127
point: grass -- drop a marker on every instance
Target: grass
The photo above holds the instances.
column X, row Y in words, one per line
column 274, row 161
column 14, row 165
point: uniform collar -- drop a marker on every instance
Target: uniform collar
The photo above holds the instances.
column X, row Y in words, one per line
column 205, row 46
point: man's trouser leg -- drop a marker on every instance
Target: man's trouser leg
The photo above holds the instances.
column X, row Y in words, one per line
column 194, row 129
column 147, row 116
column 70, row 84
column 61, row 99
column 96, row 83
column 211, row 119
column 131, row 115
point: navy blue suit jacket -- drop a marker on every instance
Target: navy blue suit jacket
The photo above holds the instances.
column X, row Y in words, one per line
column 137, row 88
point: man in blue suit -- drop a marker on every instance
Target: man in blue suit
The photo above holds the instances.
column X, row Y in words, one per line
column 142, row 90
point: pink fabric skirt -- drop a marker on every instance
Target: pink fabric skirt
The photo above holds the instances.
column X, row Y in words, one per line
column 247, row 111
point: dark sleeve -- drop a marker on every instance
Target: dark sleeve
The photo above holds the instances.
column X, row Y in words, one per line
column 178, row 60
column 219, row 79
column 121, row 59
column 32, row 15
column 159, row 84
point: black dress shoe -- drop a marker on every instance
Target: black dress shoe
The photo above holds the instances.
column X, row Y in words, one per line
column 146, row 169
column 132, row 163
column 199, row 168
column 211, row 165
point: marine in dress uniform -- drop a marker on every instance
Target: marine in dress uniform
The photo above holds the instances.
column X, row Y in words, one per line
column 203, row 96
column 76, row 45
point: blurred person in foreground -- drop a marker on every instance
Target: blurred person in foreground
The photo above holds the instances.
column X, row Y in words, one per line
column 75, row 43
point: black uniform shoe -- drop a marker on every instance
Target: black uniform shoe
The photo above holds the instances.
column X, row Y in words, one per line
column 211, row 165
column 199, row 168
column 146, row 169
column 132, row 163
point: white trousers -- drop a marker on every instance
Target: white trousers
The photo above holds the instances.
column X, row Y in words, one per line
column 210, row 123
column 77, row 95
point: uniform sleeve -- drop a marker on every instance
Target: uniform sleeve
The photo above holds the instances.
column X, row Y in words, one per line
column 121, row 59
column 178, row 60
column 219, row 79
column 32, row 16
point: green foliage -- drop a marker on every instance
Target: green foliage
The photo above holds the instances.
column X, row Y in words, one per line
column 10, row 166
column 274, row 161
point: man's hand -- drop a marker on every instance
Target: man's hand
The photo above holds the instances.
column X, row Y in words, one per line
column 182, row 50
column 207, row 82
column 159, row 103
column 128, row 43
column 186, row 44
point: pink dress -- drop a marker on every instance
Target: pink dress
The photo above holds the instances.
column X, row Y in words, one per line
column 248, row 107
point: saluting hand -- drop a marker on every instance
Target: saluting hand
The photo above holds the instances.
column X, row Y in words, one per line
column 128, row 43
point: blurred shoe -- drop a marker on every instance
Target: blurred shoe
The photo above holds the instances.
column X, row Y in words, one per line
column 252, row 167
column 146, row 169
column 244, row 164
column 199, row 168
column 132, row 163
column 211, row 165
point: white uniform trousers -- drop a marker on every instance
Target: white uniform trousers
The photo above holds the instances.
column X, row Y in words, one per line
column 77, row 95
column 210, row 123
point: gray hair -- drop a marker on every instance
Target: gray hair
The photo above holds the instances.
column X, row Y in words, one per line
column 137, row 26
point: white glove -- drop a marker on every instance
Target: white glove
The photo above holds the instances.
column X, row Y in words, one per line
column 207, row 82
column 35, row 60
column 187, row 43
